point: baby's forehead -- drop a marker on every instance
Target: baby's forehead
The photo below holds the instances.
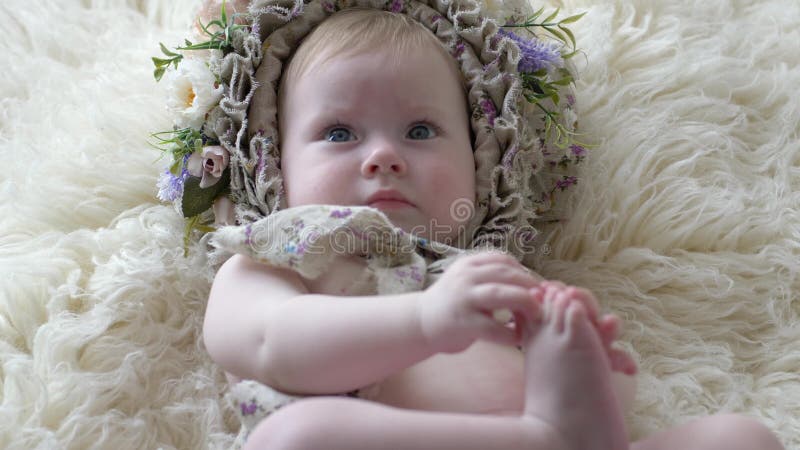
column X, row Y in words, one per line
column 336, row 71
column 393, row 54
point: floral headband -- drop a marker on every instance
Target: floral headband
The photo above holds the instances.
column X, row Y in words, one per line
column 224, row 147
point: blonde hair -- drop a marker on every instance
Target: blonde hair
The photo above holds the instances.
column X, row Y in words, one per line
column 358, row 30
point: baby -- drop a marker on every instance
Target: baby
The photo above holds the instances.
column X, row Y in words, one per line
column 373, row 114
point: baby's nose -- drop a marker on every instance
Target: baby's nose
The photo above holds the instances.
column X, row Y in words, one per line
column 384, row 157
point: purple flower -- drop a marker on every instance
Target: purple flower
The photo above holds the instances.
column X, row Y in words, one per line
column 341, row 213
column 458, row 49
column 536, row 54
column 488, row 108
column 577, row 150
column 566, row 182
column 170, row 187
column 396, row 6
column 248, row 410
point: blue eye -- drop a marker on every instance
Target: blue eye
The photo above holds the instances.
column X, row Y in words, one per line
column 419, row 132
column 339, row 135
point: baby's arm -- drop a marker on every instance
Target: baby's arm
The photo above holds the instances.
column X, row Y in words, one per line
column 319, row 344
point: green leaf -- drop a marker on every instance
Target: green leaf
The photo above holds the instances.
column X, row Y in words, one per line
column 552, row 16
column 574, row 18
column 563, row 81
column 166, row 51
column 197, row 200
column 223, row 14
column 536, row 14
column 159, row 72
column 176, row 168
column 556, row 33
column 569, row 55
column 568, row 33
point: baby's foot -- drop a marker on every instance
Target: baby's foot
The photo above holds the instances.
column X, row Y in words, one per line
column 607, row 326
column 569, row 378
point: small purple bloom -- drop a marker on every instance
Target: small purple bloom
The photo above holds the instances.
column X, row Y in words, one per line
column 249, row 410
column 577, row 150
column 566, row 182
column 488, row 108
column 341, row 213
column 536, row 54
column 248, row 231
column 570, row 100
column 328, row 6
column 396, row 6
column 458, row 49
column 170, row 187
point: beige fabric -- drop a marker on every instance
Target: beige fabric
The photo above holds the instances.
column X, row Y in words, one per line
column 306, row 239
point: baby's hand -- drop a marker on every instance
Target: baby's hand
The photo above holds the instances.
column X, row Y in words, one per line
column 458, row 308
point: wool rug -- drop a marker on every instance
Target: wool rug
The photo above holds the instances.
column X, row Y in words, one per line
column 685, row 220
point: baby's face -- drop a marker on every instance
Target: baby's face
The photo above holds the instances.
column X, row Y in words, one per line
column 376, row 131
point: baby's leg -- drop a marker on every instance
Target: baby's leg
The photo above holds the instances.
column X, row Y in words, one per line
column 720, row 432
column 333, row 423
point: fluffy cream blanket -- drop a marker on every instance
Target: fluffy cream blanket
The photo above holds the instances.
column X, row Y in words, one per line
column 686, row 222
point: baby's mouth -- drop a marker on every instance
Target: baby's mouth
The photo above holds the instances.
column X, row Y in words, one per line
column 388, row 200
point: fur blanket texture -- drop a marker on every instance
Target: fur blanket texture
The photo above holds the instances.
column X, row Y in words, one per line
column 686, row 221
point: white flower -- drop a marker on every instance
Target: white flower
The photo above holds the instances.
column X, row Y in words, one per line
column 192, row 93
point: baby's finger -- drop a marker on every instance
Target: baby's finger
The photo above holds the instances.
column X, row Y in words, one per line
column 551, row 289
column 500, row 273
column 487, row 257
column 494, row 296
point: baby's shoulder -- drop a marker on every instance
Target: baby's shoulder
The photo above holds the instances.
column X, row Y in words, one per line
column 242, row 276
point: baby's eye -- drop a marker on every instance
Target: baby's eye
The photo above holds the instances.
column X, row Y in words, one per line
column 339, row 134
column 418, row 132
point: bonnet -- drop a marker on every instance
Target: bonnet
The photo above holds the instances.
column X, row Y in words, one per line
column 224, row 149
